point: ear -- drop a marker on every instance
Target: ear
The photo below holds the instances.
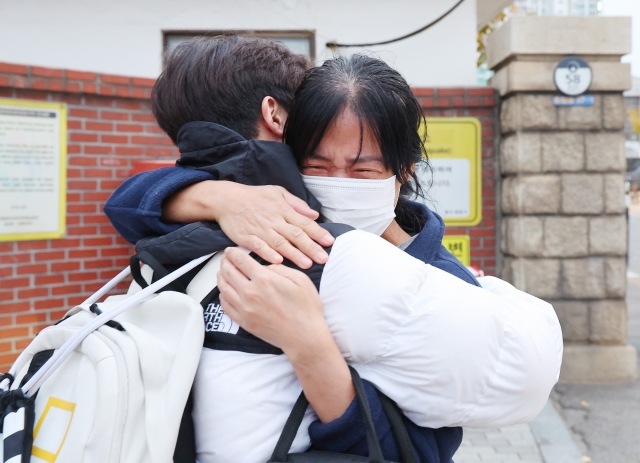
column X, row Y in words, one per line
column 271, row 124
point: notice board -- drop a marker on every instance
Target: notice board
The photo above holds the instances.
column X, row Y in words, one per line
column 33, row 153
column 454, row 148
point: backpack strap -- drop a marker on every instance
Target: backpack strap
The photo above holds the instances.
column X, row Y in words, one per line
column 67, row 348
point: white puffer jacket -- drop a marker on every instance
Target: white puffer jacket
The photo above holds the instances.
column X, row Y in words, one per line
column 447, row 352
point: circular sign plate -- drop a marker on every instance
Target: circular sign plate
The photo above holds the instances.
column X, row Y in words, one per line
column 573, row 76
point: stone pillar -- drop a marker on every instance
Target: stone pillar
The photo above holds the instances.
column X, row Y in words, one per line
column 564, row 230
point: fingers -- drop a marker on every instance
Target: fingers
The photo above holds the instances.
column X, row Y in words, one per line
column 281, row 243
column 261, row 248
column 299, row 205
column 311, row 228
column 296, row 276
column 239, row 264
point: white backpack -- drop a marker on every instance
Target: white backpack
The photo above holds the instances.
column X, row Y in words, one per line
column 106, row 384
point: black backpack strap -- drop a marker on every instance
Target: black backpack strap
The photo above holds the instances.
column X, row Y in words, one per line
column 405, row 447
column 159, row 271
column 297, row 414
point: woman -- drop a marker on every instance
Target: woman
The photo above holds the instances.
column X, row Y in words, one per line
column 353, row 118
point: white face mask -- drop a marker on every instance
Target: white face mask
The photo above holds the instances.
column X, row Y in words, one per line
column 364, row 204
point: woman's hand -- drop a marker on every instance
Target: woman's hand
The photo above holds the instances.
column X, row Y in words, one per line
column 267, row 220
column 282, row 307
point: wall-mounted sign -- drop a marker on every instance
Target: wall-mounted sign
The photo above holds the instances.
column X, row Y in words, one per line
column 459, row 246
column 582, row 100
column 573, row 76
column 454, row 148
column 33, row 152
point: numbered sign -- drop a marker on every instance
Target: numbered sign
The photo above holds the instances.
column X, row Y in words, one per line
column 573, row 76
column 453, row 146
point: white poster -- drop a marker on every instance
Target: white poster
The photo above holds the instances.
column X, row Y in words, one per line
column 32, row 170
column 450, row 193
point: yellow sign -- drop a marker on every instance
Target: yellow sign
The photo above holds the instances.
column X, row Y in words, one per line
column 56, row 419
column 454, row 148
column 459, row 246
column 33, row 170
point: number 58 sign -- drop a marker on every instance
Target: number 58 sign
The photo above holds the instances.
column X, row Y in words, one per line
column 573, row 76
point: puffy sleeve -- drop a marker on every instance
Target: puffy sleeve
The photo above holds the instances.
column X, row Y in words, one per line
column 448, row 353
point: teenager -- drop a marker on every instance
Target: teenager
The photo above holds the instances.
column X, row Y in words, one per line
column 197, row 154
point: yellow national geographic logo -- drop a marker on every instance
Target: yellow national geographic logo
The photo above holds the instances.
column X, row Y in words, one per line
column 459, row 246
column 52, row 429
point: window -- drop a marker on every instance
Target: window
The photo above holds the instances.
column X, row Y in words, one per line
column 302, row 42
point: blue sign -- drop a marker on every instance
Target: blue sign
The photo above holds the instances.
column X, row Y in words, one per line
column 582, row 100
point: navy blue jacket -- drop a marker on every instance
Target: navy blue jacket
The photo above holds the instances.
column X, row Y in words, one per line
column 135, row 210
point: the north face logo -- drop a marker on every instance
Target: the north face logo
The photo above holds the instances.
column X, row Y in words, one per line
column 216, row 320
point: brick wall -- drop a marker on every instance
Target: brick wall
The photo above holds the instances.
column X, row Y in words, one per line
column 110, row 132
column 481, row 103
column 110, row 125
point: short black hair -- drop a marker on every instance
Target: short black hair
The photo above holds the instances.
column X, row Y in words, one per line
column 224, row 79
column 378, row 95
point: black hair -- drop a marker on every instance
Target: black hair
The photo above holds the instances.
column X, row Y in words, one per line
column 223, row 80
column 380, row 97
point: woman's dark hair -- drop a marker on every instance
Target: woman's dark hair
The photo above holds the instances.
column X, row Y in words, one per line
column 380, row 98
column 223, row 80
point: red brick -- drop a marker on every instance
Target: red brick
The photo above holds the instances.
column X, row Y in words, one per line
column 6, row 295
column 73, row 87
column 38, row 84
column 143, row 82
column 15, row 259
column 168, row 152
column 85, row 276
column 89, row 88
column 110, row 184
column 13, row 69
column 122, row 139
column 154, row 129
column 74, row 149
column 31, row 318
column 4, row 81
column 30, row 245
column 451, row 92
column 83, row 253
column 106, row 90
column 6, row 272
column 73, row 301
column 81, row 112
column 113, row 162
column 99, row 101
column 46, row 72
column 74, row 125
column 31, row 269
column 128, row 105
column 6, row 247
column 114, row 79
column 66, row 289
column 78, row 75
column 65, row 243
column 443, row 102
column 143, row 118
column 74, row 173
column 50, row 255
column 129, row 128
column 10, row 283
column 87, row 219
column 139, row 93
column 13, row 307
column 33, row 292
column 5, row 347
column 100, row 126
column 128, row 151
column 98, row 173
column 73, row 220
column 55, row 85
column 15, row 332
column 83, row 161
column 102, row 241
column 417, row 91
column 477, row 233
column 144, row 140
column 75, row 100
column 123, row 92
column 114, row 252
column 82, row 185
column 115, row 116
column 78, row 208
column 6, row 93
column 482, row 91
column 92, row 196
column 458, row 102
column 98, row 264
column 92, row 149
column 49, row 279
column 31, row 95
column 83, row 137
column 49, row 304
column 74, row 231
column 57, row 315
